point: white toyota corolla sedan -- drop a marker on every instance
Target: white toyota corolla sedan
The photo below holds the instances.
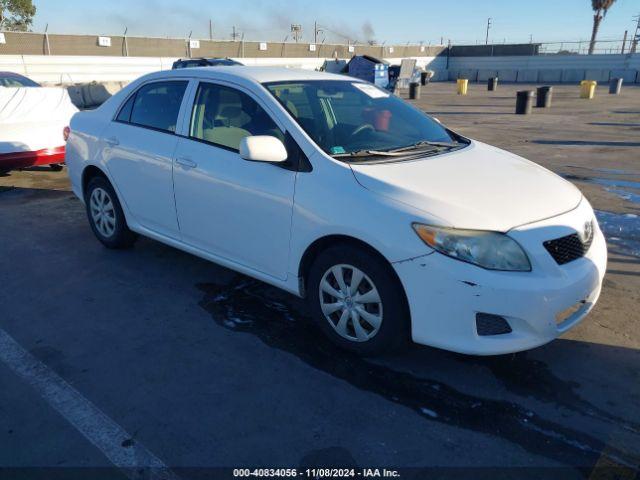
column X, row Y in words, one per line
column 391, row 225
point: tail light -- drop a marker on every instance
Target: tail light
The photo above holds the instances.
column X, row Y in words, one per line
column 66, row 131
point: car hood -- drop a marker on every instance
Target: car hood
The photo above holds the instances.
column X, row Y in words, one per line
column 477, row 187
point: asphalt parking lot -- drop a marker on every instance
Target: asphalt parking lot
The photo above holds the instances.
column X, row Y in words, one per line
column 153, row 357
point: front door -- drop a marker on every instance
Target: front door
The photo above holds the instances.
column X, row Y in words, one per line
column 228, row 206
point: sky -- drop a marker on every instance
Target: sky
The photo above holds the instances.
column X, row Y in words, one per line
column 461, row 21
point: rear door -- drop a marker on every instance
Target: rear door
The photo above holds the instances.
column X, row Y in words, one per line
column 139, row 147
column 226, row 205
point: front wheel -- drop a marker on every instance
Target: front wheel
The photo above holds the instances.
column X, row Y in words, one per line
column 106, row 216
column 357, row 300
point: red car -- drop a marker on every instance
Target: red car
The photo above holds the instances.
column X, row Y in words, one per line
column 32, row 120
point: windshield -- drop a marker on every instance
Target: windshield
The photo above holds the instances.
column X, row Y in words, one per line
column 348, row 119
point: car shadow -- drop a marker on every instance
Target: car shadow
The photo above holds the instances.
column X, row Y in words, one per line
column 475, row 393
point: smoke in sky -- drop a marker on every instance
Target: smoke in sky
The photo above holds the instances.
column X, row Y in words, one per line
column 268, row 21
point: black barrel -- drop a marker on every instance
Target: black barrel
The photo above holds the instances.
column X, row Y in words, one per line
column 424, row 78
column 524, row 101
column 543, row 97
column 492, row 84
column 615, row 85
column 414, row 90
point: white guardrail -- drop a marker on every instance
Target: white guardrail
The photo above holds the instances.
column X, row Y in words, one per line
column 80, row 69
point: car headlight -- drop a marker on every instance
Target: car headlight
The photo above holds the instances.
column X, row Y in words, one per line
column 491, row 250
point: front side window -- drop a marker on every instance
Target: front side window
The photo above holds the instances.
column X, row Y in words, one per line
column 155, row 105
column 224, row 116
column 345, row 118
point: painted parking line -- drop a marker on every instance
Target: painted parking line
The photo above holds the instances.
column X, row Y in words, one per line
column 110, row 438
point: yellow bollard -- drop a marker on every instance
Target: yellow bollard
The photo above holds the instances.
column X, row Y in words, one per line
column 463, row 83
column 588, row 89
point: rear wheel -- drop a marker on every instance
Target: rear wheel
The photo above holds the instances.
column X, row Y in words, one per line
column 357, row 300
column 56, row 167
column 106, row 216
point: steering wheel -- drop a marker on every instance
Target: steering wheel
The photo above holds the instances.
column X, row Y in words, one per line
column 362, row 128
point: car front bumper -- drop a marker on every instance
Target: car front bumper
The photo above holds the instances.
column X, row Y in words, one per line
column 445, row 294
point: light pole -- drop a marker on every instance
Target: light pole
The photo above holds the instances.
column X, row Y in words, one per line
column 486, row 39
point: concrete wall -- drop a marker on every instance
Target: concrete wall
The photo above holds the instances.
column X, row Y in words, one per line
column 75, row 69
column 547, row 68
column 25, row 43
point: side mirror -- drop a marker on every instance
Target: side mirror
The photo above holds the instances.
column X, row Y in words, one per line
column 263, row 148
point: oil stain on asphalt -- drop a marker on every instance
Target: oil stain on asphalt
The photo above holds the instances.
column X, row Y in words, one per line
column 281, row 321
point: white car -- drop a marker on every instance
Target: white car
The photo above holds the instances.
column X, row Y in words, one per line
column 391, row 225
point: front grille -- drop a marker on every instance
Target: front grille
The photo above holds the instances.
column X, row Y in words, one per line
column 489, row 324
column 569, row 248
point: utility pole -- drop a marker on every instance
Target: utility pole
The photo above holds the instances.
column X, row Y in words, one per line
column 210, row 30
column 234, row 34
column 316, row 30
column 486, row 40
column 624, row 41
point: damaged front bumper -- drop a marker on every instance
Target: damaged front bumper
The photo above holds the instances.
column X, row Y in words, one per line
column 445, row 295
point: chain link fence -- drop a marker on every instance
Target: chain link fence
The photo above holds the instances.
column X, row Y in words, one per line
column 578, row 47
column 581, row 47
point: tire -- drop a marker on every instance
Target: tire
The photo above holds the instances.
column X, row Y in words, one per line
column 376, row 275
column 106, row 216
column 56, row 167
column 4, row 172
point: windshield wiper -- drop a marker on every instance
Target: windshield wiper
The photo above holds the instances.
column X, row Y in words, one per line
column 425, row 143
column 397, row 152
column 368, row 153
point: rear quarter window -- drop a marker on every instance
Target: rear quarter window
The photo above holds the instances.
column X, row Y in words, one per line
column 155, row 105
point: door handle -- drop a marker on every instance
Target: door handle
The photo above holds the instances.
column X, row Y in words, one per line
column 186, row 162
column 112, row 141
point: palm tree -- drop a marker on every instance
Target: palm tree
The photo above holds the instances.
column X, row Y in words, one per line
column 600, row 8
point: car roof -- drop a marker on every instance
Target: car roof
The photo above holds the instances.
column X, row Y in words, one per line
column 208, row 59
column 251, row 74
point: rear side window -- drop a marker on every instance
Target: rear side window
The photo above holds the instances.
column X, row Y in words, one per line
column 155, row 105
column 224, row 116
column 125, row 111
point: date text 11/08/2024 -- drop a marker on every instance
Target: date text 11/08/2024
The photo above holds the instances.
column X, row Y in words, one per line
column 316, row 473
